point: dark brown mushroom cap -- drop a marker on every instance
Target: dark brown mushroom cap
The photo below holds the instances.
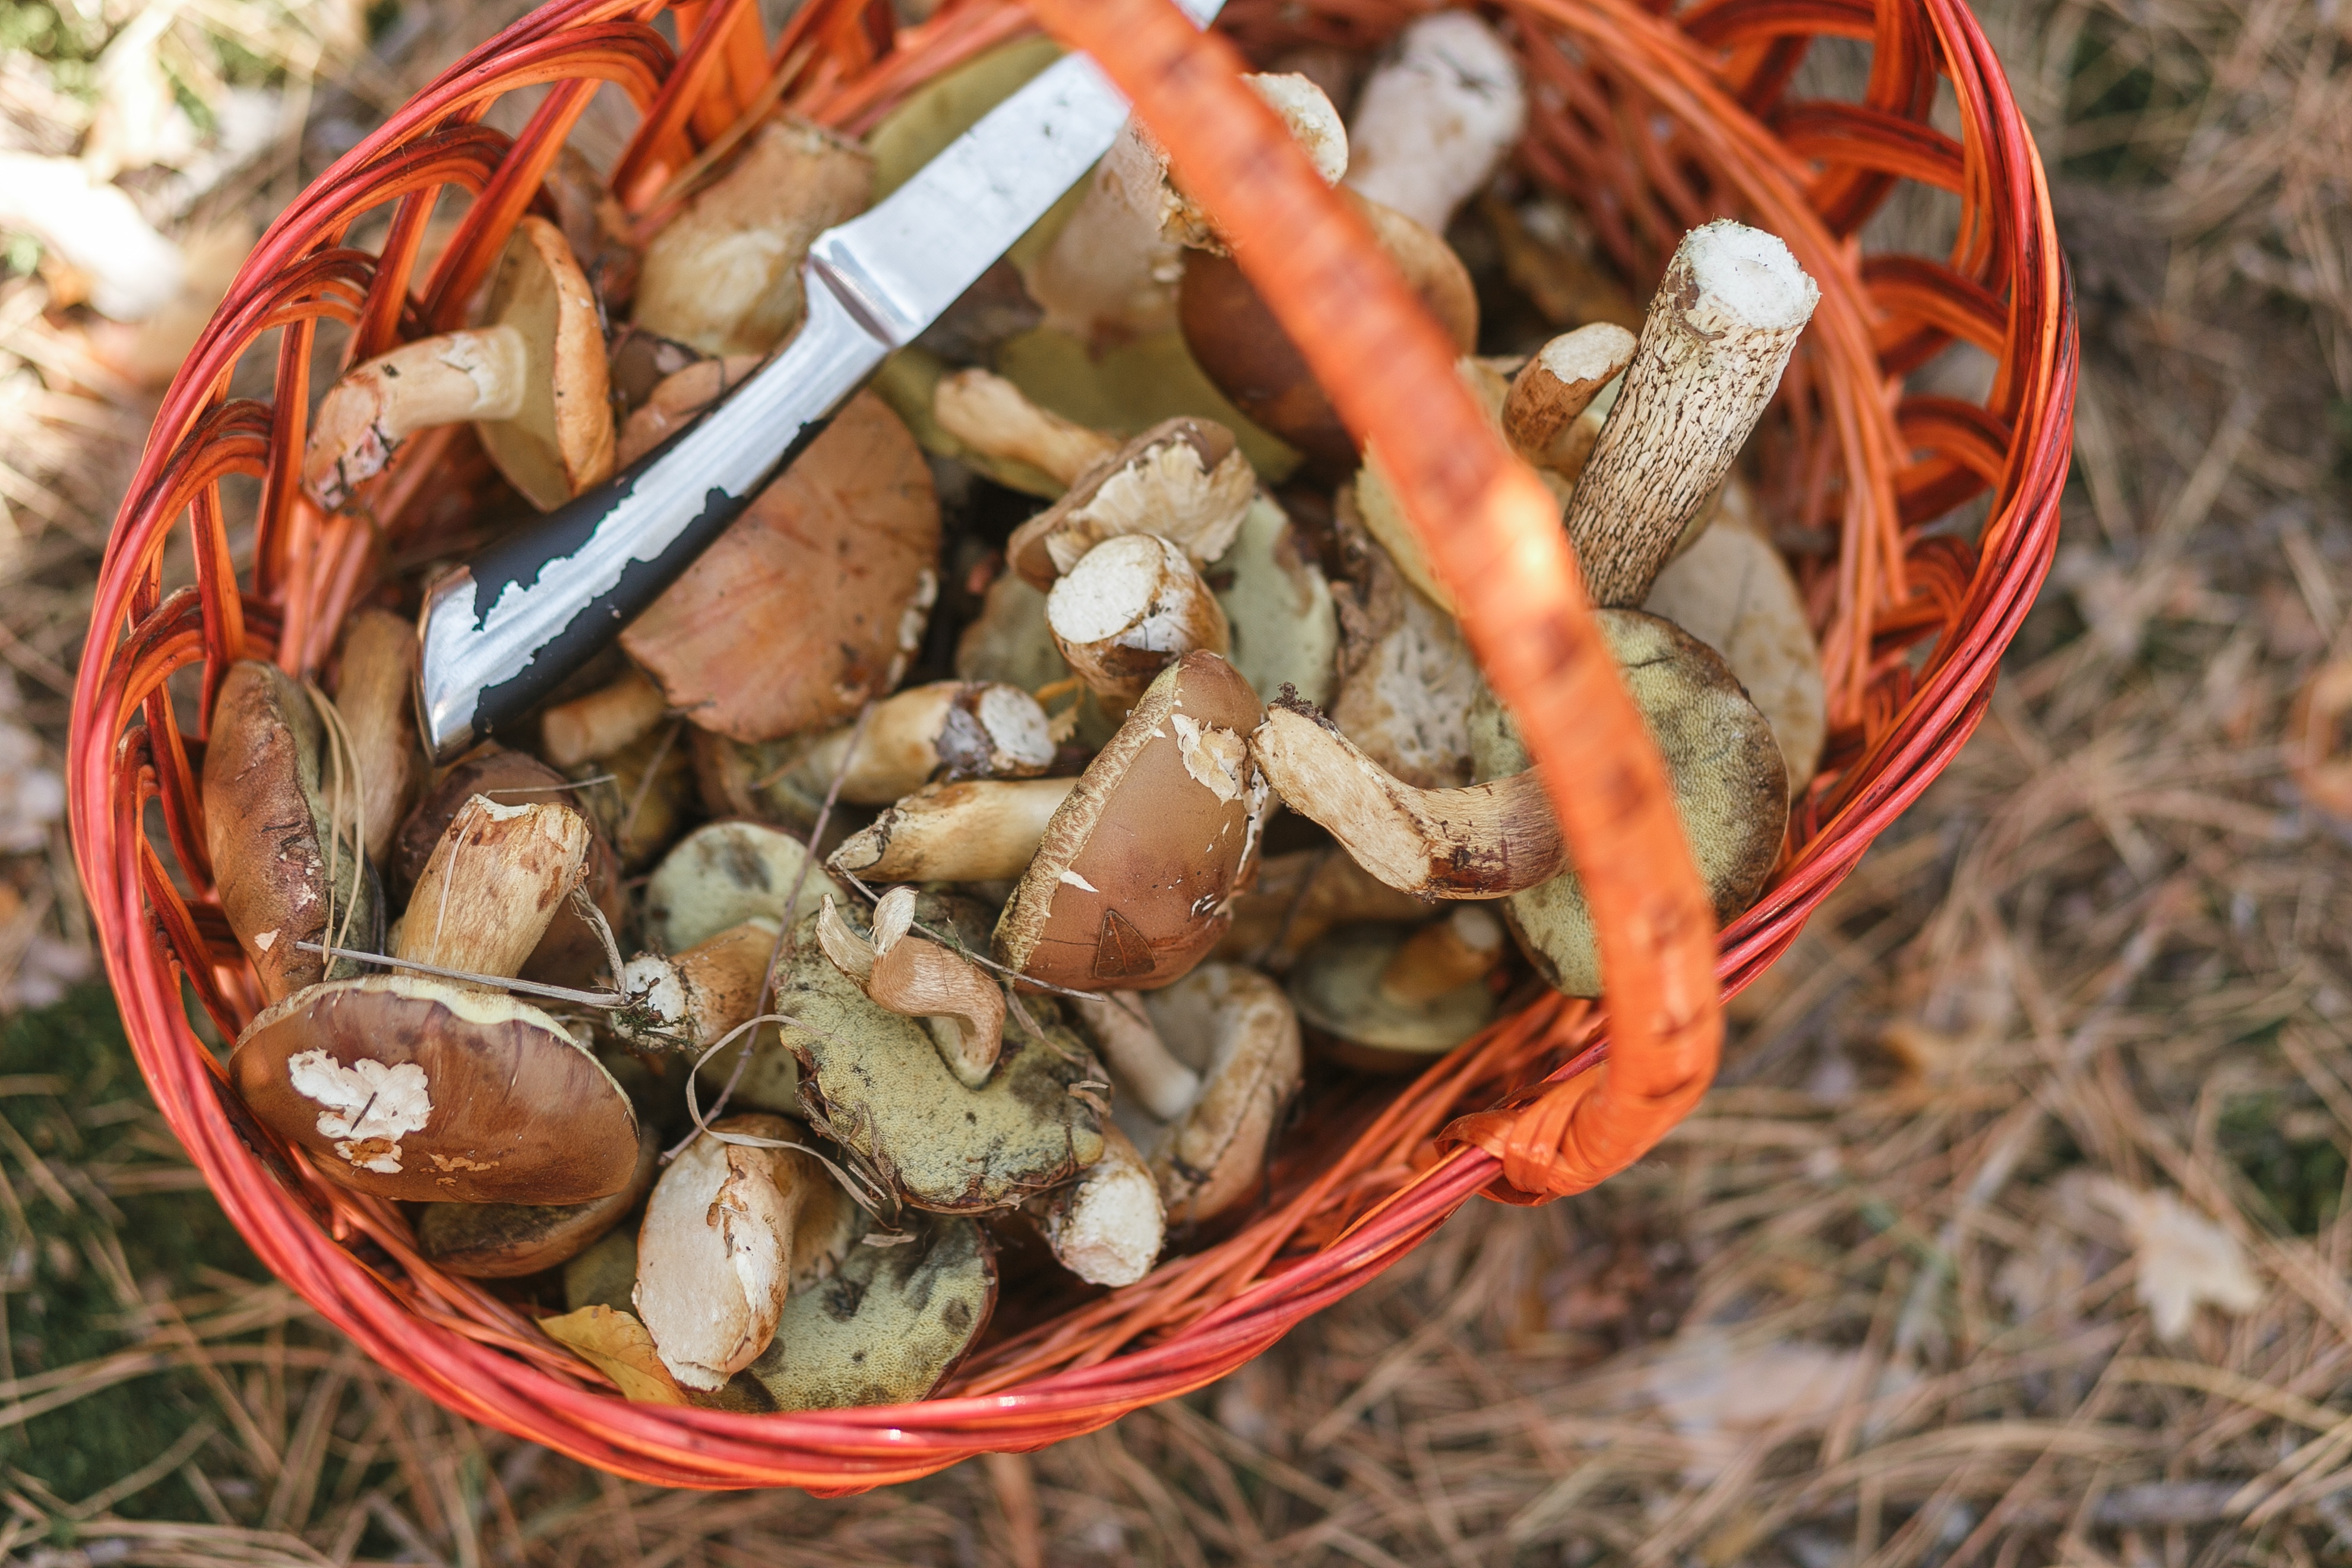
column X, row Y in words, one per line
column 889, row 1325
column 1730, row 782
column 268, row 822
column 1129, row 886
column 407, row 1087
column 507, row 1241
column 874, row 1083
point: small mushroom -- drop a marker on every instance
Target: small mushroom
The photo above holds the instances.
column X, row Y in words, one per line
column 888, row 1326
column 1719, row 332
column 286, row 853
column 493, row 885
column 1216, row 1064
column 945, row 729
column 693, row 1000
column 1394, row 997
column 982, row 831
column 508, row 1241
column 1107, row 1226
column 1434, row 121
column 1130, row 608
column 1132, row 882
column 533, row 379
column 725, row 873
column 814, row 599
column 876, row 1083
column 917, row 978
column 1184, row 479
column 676, row 400
column 730, row 1230
column 724, row 276
column 603, row 721
column 374, row 693
column 1731, row 788
column 1542, row 415
column 993, row 418
column 1279, row 614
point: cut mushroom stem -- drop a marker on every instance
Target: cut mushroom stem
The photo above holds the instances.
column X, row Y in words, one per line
column 372, row 694
column 982, row 831
column 992, row 415
column 444, row 380
column 964, row 729
column 1107, row 1228
column 602, row 722
column 1718, row 334
column 1483, row 842
column 917, row 978
column 1130, row 609
column 1134, row 1051
column 493, row 885
column 689, row 1002
column 1559, row 384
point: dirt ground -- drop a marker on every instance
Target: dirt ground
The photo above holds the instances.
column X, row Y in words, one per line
column 2015, row 1231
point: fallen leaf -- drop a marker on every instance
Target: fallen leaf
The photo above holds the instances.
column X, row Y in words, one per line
column 1719, row 1397
column 2184, row 1257
column 617, row 1345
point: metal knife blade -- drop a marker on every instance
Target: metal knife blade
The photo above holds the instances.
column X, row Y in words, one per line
column 500, row 634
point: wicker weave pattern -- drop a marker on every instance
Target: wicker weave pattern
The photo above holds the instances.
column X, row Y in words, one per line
column 1651, row 123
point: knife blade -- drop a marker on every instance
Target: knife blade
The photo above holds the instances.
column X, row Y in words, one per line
column 500, row 633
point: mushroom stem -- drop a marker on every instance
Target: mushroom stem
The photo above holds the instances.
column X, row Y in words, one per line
column 981, row 831
column 1137, row 1056
column 1445, row 956
column 989, row 415
column 364, row 417
column 1483, row 842
column 1539, row 416
column 494, row 884
column 984, row 729
column 1130, row 609
column 602, row 722
column 690, row 1001
column 372, row 693
column 1432, row 124
column 1107, row 1228
column 1719, row 332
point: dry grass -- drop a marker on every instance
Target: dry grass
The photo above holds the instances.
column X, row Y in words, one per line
column 1882, row 1303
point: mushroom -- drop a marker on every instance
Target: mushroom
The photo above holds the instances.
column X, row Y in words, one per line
column 724, row 276
column 1107, row 1226
column 1542, row 415
column 1184, row 479
column 603, row 721
column 1130, row 886
column 691, row 1001
column 374, row 693
column 1434, row 121
column 638, row 795
column 1299, row 896
column 1395, row 997
column 958, row 730
column 1730, row 589
column 917, row 978
column 814, row 599
column 508, row 1241
column 676, row 399
column 1216, row 1062
column 993, row 419
column 419, row 1087
column 1406, row 674
column 1009, row 640
column 730, row 1230
column 1132, row 607
column 876, row 1083
column 725, row 873
column 1719, row 332
column 888, row 1326
column 1279, row 614
column 984, row 831
column 1731, row 788
column 287, row 861
column 533, row 379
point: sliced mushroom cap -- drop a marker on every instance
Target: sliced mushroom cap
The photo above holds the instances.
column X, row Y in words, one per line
column 1107, row 1226
column 814, row 599
column 1731, row 788
column 1184, row 479
column 1398, row 994
column 401, row 1086
column 1279, row 614
column 889, row 1325
column 1130, row 886
column 507, row 1241
column 1235, row 1029
column 874, row 1083
column 986, row 830
column 724, row 276
column 285, row 869
column 725, row 873
column 374, row 692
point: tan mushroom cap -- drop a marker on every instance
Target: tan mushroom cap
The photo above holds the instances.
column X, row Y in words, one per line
column 1350, row 986
column 508, row 1241
column 888, row 1326
column 814, row 599
column 1731, row 788
column 1130, row 884
column 1235, row 1029
column 401, row 1086
column 724, row 873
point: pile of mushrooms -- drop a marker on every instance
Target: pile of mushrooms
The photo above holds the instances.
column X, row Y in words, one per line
column 905, row 911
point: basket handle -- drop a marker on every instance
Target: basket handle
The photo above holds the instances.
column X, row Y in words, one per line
column 1500, row 550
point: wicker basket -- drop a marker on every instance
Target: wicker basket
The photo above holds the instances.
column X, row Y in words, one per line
column 1652, row 124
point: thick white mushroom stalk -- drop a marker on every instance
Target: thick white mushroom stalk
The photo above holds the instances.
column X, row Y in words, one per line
column 1433, row 123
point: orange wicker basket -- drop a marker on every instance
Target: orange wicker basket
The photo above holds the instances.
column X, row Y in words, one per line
column 1650, row 122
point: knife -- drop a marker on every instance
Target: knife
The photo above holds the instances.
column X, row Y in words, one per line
column 500, row 633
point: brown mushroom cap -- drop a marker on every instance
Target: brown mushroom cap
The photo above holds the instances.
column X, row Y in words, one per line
column 270, row 826
column 889, row 1325
column 400, row 1087
column 1731, row 788
column 1130, row 884
column 508, row 1241
column 560, row 440
column 375, row 694
column 814, row 599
